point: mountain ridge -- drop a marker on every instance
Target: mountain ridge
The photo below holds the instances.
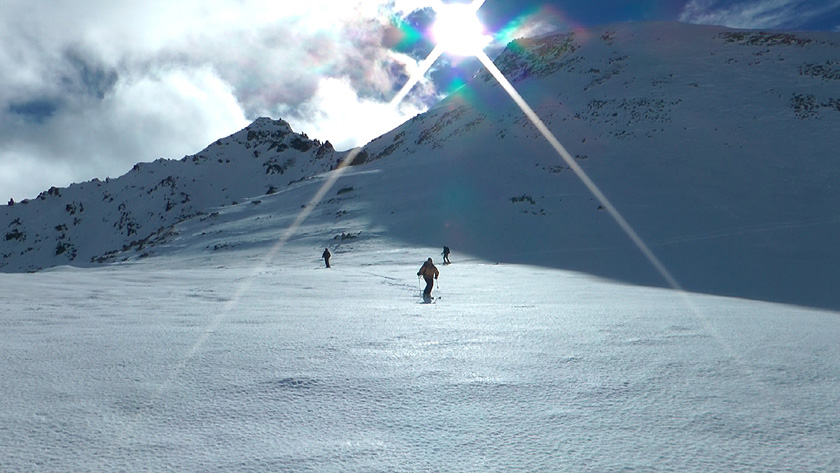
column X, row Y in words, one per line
column 141, row 206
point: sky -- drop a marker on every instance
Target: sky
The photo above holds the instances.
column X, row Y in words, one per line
column 91, row 87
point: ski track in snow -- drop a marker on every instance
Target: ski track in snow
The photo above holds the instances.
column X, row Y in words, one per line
column 515, row 368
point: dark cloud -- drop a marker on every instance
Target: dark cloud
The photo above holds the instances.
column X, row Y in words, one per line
column 412, row 37
column 34, row 111
column 82, row 76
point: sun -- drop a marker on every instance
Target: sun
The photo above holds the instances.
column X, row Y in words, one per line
column 458, row 30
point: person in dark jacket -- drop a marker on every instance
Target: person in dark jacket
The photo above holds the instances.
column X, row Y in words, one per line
column 326, row 255
column 445, row 255
column 429, row 273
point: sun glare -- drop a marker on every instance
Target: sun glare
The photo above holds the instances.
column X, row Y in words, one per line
column 458, row 30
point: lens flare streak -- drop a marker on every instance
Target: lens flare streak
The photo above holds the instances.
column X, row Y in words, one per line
column 332, row 177
column 294, row 226
column 616, row 215
column 418, row 74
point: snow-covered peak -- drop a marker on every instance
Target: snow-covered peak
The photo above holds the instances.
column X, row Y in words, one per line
column 263, row 123
column 101, row 221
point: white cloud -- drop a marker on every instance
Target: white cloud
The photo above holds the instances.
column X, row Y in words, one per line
column 756, row 13
column 169, row 115
column 336, row 113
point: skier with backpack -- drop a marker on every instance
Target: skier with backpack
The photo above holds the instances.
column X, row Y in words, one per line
column 326, row 255
column 429, row 273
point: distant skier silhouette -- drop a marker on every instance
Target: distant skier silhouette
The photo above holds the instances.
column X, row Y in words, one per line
column 326, row 255
column 445, row 255
column 429, row 273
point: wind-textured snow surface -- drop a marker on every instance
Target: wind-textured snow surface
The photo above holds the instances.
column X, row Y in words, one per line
column 240, row 363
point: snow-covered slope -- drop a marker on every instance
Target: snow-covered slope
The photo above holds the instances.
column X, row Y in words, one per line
column 719, row 147
column 168, row 364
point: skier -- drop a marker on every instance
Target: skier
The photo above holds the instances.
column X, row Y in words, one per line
column 445, row 255
column 326, row 255
column 429, row 273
